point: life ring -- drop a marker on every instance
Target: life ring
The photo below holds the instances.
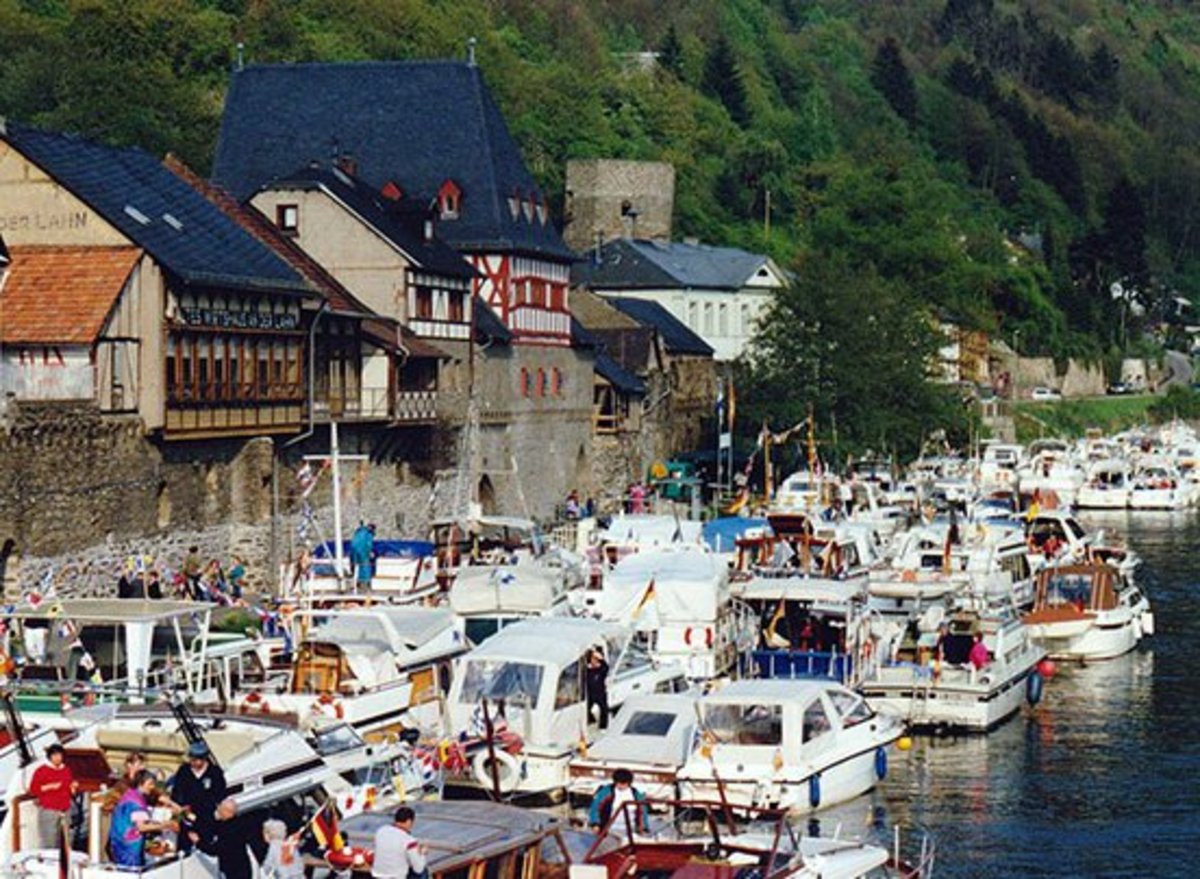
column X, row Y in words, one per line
column 909, row 576
column 329, row 706
column 708, row 637
column 508, row 770
column 254, row 703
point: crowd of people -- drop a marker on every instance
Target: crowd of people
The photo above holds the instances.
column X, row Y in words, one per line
column 195, row 580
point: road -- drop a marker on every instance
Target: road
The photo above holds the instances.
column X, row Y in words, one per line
column 1179, row 369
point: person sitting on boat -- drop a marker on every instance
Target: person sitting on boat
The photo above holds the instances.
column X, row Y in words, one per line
column 572, row 510
column 610, row 798
column 398, row 855
column 131, row 823
column 979, row 656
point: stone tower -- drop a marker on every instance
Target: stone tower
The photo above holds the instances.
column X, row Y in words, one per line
column 611, row 198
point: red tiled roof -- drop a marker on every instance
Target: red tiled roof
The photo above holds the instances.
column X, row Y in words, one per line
column 257, row 224
column 62, row 295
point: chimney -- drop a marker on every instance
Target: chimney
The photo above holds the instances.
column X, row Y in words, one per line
column 471, row 42
column 347, row 164
column 241, row 57
column 428, row 229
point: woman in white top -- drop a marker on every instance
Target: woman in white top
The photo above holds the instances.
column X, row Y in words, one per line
column 283, row 859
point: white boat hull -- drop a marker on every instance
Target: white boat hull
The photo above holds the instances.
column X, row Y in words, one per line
column 1157, row 499
column 1102, row 498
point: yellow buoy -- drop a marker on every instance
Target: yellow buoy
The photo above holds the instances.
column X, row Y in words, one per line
column 904, row 743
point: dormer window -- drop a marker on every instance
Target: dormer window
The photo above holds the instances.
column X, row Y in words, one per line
column 287, row 218
column 542, row 211
column 449, row 200
column 514, row 204
column 528, row 206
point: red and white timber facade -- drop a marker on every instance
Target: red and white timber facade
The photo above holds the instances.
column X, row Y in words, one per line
column 528, row 293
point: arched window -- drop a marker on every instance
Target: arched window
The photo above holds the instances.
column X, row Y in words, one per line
column 524, row 382
column 558, row 382
column 541, row 382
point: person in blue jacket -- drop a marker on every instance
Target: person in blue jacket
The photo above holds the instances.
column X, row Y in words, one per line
column 609, row 800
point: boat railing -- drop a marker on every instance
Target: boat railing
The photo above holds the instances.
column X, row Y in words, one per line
column 792, row 664
column 926, row 856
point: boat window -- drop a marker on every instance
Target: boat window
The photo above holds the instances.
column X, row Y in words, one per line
column 570, row 686
column 852, row 708
column 1074, row 589
column 649, row 723
column 816, row 721
column 1075, row 528
column 745, row 724
column 637, row 654
column 479, row 629
column 335, row 739
column 497, row 679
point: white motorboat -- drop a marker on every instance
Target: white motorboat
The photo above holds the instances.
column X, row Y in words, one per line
column 929, row 682
column 404, row 571
column 1157, row 485
column 998, row 467
column 1069, row 543
column 651, row 737
column 376, row 668
column 790, row 744
column 490, row 597
column 679, row 601
column 1050, row 468
column 1107, row 486
column 1088, row 611
column 518, row 700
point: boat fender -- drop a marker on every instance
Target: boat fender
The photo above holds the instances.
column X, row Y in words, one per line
column 1033, row 687
column 814, row 791
column 881, row 763
column 508, row 770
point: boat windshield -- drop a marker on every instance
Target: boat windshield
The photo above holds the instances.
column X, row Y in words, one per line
column 1074, row 589
column 744, row 724
column 649, row 723
column 498, row 679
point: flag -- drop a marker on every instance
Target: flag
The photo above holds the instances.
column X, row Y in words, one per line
column 647, row 596
column 732, row 404
column 325, row 828
column 720, row 406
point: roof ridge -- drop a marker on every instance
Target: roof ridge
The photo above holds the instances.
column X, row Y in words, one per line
column 373, row 62
column 490, row 163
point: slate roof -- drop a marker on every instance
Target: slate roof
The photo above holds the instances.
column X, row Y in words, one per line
column 676, row 335
column 403, row 228
column 632, row 348
column 260, row 226
column 62, row 295
column 414, row 123
column 621, row 378
column 488, row 324
column 185, row 233
column 640, row 264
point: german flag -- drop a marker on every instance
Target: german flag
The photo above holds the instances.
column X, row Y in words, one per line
column 325, row 828
column 647, row 597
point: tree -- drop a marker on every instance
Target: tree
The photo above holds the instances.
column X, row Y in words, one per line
column 891, row 78
column 864, row 367
column 1124, row 234
column 723, row 81
column 670, row 53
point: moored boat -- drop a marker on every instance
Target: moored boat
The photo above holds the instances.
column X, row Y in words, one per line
column 1088, row 611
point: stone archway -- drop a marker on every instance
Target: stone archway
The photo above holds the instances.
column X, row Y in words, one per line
column 487, row 496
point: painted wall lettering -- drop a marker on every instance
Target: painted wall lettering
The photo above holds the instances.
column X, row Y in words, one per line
column 38, row 221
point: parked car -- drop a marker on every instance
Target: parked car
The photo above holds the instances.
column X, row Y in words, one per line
column 1045, row 394
column 1119, row 389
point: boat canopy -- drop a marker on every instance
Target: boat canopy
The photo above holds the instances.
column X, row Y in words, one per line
column 654, row 728
column 650, row 531
column 521, row 589
column 671, row 585
column 392, row 630
column 558, row 642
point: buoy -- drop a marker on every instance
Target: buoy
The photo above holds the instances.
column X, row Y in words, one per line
column 814, row 791
column 880, row 763
column 1033, row 687
column 904, row 743
column 1046, row 668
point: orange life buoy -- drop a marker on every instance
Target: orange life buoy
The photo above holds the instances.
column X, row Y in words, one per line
column 909, row 576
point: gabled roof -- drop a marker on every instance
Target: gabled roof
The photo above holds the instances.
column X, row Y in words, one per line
column 640, row 264
column 184, row 232
column 621, row 378
column 597, row 313
column 417, row 124
column 62, row 295
column 403, row 228
column 257, row 224
column 676, row 335
column 632, row 348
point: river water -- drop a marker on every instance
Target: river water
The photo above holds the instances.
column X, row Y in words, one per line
column 1100, row 780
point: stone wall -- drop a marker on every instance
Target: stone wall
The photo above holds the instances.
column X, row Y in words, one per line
column 1080, row 380
column 596, row 191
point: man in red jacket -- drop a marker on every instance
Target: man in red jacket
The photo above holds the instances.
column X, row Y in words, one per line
column 52, row 786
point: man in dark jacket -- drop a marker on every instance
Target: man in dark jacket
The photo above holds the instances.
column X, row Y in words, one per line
column 232, row 836
column 595, row 684
column 198, row 787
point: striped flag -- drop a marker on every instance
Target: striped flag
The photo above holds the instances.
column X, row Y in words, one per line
column 325, row 828
column 647, row 597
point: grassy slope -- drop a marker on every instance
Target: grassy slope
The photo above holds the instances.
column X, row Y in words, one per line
column 1071, row 418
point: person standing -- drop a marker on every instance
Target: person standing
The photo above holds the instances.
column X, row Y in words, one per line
column 610, row 799
column 283, row 860
column 595, row 683
column 53, row 786
column 131, row 823
column 398, row 855
column 230, row 840
column 192, row 569
column 237, row 578
column 198, row 787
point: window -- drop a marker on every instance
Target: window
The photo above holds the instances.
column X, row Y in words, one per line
column 557, row 383
column 525, row 390
column 457, row 306
column 816, row 721
column 746, row 327
column 708, row 319
column 541, row 382
column 518, row 682
column 570, row 686
column 722, row 320
column 287, row 218
column 424, row 303
column 745, row 724
column 852, row 707
column 649, row 723
column 693, row 319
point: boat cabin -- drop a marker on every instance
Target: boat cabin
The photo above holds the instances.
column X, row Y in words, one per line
column 1075, row 590
column 490, row 597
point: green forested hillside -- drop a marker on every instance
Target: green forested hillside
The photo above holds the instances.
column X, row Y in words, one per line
column 1004, row 162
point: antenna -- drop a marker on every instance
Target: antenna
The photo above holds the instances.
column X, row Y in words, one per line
column 241, row 56
column 471, row 43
